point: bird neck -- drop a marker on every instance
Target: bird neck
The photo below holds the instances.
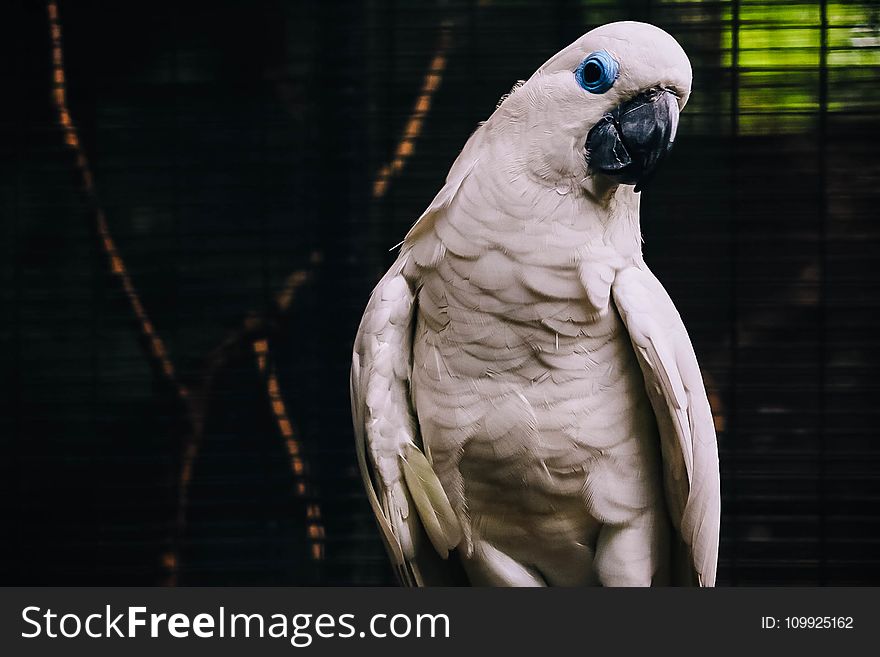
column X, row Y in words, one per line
column 618, row 209
column 590, row 201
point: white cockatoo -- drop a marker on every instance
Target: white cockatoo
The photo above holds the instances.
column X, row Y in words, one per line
column 525, row 396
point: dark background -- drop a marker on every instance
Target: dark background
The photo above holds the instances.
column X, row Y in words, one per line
column 234, row 144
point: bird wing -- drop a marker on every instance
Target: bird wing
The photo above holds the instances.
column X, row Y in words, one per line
column 684, row 418
column 407, row 499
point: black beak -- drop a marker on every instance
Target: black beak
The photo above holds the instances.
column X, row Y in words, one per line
column 628, row 143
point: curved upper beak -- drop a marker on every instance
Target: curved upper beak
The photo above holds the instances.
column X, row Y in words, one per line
column 629, row 142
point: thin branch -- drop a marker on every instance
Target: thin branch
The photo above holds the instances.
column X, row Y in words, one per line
column 431, row 83
column 157, row 349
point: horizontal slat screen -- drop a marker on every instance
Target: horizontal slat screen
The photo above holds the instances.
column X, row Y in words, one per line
column 197, row 198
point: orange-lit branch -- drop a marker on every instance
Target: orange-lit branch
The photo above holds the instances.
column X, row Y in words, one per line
column 106, row 242
column 315, row 526
column 315, row 529
column 415, row 123
column 116, row 263
column 157, row 348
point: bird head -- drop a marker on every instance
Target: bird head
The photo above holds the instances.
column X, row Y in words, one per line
column 605, row 106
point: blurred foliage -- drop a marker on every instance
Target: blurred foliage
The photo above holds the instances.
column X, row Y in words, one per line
column 779, row 52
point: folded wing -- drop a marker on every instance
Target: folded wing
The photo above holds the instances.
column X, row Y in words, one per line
column 687, row 432
column 407, row 499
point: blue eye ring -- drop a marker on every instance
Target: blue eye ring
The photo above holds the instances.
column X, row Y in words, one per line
column 597, row 72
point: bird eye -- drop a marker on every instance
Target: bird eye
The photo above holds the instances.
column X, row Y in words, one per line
column 597, row 72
